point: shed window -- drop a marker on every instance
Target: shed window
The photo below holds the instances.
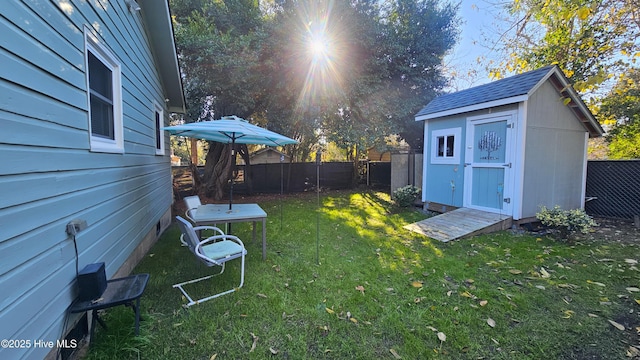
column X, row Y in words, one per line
column 445, row 146
column 104, row 97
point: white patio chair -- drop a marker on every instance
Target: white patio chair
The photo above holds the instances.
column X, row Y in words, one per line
column 213, row 251
column 191, row 203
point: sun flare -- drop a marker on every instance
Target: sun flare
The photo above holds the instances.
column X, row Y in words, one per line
column 318, row 47
column 323, row 55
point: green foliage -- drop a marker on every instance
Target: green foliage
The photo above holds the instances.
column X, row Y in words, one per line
column 590, row 40
column 566, row 222
column 621, row 109
column 406, row 195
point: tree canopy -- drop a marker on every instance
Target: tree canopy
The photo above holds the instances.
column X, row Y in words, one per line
column 346, row 72
column 595, row 43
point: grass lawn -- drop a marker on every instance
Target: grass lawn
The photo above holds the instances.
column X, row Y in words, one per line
column 382, row 292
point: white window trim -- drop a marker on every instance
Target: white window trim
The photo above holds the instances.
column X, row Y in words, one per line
column 158, row 128
column 98, row 144
column 457, row 138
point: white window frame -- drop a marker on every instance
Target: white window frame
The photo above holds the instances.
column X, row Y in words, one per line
column 97, row 143
column 158, row 127
column 445, row 159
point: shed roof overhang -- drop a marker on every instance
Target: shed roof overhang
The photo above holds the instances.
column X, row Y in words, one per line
column 157, row 20
column 557, row 80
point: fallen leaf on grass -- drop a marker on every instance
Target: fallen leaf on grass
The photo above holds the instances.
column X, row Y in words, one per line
column 515, row 271
column 416, row 284
column 353, row 320
column 432, row 328
column 568, row 286
column 255, row 342
column 360, row 288
column 442, row 336
column 273, row 351
column 468, row 294
column 261, row 295
column 616, row 325
column 483, row 302
column 596, row 283
column 491, row 322
column 633, row 289
column 568, row 314
column 631, row 261
column 544, row 273
column 213, row 357
column 637, row 300
column 633, row 352
column 593, row 315
column 540, row 287
column 330, row 311
column 395, row 354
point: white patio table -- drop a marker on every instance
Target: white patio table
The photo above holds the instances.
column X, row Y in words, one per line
column 210, row 214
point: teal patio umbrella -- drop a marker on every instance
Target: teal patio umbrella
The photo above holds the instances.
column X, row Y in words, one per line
column 230, row 130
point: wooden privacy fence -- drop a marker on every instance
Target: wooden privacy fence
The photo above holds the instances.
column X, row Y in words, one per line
column 298, row 177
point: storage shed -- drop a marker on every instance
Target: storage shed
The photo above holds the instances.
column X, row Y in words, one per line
column 508, row 147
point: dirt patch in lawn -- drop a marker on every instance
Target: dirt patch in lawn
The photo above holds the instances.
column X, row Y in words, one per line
column 616, row 230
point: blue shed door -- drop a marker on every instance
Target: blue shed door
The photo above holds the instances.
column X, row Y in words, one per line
column 488, row 164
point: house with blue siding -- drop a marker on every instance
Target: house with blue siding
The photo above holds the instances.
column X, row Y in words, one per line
column 85, row 90
column 508, row 147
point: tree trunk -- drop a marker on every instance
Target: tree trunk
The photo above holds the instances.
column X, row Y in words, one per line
column 196, row 181
column 217, row 170
column 355, row 162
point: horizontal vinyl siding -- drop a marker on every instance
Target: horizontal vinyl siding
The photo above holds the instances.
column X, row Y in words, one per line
column 48, row 175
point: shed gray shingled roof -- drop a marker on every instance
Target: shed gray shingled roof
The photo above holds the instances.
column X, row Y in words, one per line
column 501, row 89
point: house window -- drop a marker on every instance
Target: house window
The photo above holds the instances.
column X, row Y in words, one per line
column 105, row 98
column 158, row 115
column 445, row 148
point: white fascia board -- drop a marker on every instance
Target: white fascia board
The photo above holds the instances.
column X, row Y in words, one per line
column 481, row 106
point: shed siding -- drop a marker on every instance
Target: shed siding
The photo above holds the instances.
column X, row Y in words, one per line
column 48, row 175
column 438, row 180
column 439, row 176
column 554, row 154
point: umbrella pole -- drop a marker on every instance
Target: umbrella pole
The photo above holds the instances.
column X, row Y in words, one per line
column 233, row 167
column 318, row 163
column 281, row 187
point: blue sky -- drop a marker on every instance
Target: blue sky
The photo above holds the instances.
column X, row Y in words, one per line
column 479, row 30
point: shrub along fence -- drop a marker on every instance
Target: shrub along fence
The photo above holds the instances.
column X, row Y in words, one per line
column 614, row 186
